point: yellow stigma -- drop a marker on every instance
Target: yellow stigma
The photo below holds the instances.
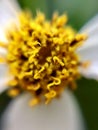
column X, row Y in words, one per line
column 41, row 56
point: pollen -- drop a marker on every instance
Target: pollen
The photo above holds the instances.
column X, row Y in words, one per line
column 41, row 56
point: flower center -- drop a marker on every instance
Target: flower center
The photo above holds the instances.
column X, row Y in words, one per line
column 41, row 56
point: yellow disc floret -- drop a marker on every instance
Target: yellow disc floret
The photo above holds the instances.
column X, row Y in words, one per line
column 41, row 56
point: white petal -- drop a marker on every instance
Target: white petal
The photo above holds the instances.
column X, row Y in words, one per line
column 8, row 12
column 2, row 34
column 91, row 71
column 89, row 50
column 61, row 114
column 91, row 27
column 3, row 51
column 3, row 77
column 3, row 85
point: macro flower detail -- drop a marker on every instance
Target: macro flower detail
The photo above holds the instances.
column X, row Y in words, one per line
column 41, row 56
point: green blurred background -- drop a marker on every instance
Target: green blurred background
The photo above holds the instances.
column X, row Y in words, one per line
column 79, row 12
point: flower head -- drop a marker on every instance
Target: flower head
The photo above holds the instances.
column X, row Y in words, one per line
column 44, row 58
column 41, row 56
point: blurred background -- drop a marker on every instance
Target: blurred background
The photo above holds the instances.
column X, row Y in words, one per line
column 79, row 12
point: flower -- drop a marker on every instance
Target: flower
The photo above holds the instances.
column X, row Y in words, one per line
column 39, row 66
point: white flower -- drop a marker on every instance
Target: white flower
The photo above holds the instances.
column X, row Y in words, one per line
column 60, row 114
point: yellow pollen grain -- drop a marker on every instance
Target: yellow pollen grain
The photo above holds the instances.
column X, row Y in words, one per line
column 12, row 82
column 34, row 102
column 13, row 92
column 41, row 56
column 2, row 60
column 34, row 88
column 4, row 45
column 86, row 64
